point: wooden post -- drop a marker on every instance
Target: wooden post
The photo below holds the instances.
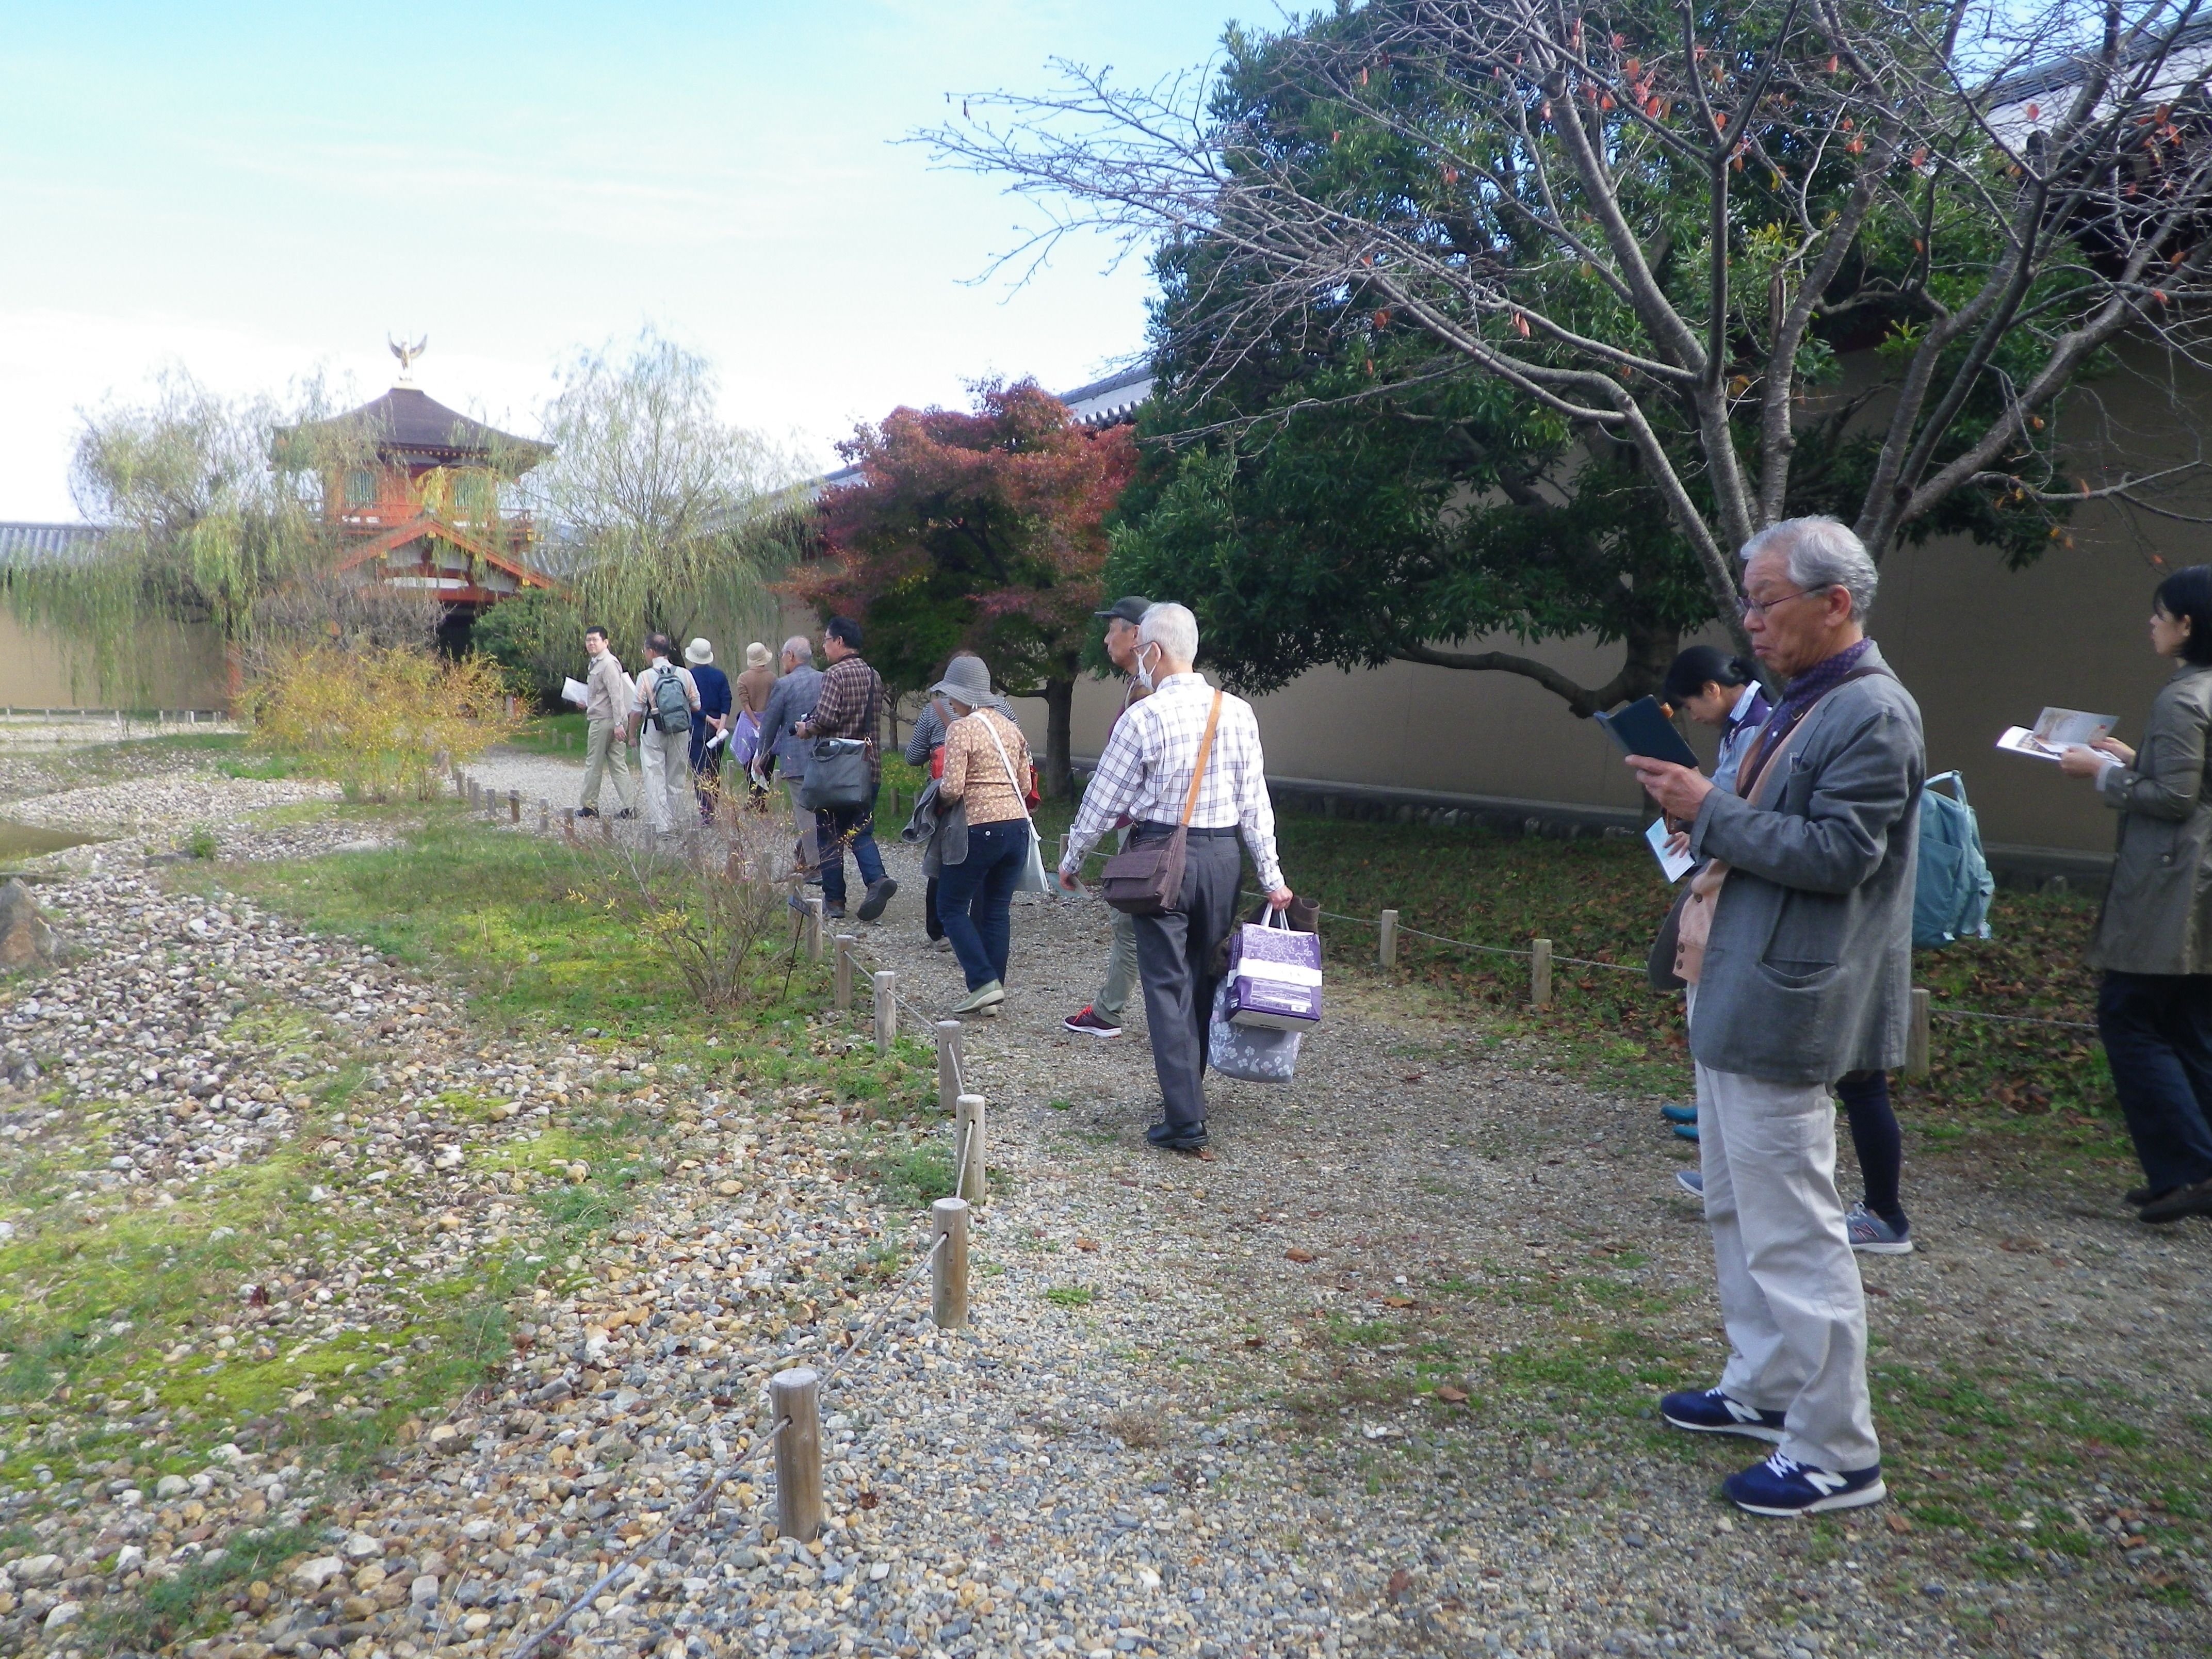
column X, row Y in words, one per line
column 1916, row 1036
column 1389, row 931
column 948, row 1267
column 1540, row 974
column 544, row 815
column 844, row 971
column 568, row 824
column 813, row 923
column 794, row 1400
column 948, row 1065
column 515, row 806
column 967, row 1148
column 606, row 830
column 886, row 984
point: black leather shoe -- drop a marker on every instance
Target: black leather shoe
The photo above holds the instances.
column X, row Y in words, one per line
column 1168, row 1138
column 879, row 895
column 587, row 811
column 2136, row 1197
column 2180, row 1202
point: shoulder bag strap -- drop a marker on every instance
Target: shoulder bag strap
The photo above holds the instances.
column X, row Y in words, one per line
column 1021, row 795
column 1205, row 752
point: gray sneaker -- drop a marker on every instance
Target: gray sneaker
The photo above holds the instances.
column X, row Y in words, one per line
column 1692, row 1181
column 1872, row 1235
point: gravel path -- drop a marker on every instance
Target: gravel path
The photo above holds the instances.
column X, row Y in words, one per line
column 1374, row 1377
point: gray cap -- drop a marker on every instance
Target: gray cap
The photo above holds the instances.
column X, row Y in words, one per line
column 967, row 680
column 1130, row 610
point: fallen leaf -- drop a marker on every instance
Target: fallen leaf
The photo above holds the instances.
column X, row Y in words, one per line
column 1450, row 1395
column 1897, row 1523
column 868, row 1500
column 1400, row 1582
column 1412, row 1077
column 1397, row 1301
column 1296, row 1255
column 1255, row 1341
column 2020, row 1246
column 1087, row 1245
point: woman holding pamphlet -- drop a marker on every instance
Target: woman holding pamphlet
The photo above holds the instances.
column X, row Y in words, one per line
column 2153, row 939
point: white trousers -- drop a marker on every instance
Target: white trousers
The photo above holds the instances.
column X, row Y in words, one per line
column 1790, row 1288
column 667, row 764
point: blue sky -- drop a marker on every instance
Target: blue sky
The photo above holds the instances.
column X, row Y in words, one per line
column 260, row 192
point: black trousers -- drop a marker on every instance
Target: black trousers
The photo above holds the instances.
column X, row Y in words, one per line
column 1175, row 962
column 2157, row 1030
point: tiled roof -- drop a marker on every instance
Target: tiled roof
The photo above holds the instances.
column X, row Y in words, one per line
column 23, row 543
column 411, row 426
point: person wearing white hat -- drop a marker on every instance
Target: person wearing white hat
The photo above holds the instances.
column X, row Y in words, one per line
column 713, row 719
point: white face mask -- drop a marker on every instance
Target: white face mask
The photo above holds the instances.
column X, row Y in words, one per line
column 1144, row 674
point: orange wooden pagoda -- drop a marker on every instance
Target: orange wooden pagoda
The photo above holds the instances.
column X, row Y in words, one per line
column 413, row 488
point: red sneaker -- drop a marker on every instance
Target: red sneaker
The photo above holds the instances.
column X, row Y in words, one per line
column 1087, row 1023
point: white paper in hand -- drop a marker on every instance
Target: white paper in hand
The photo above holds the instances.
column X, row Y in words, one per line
column 1673, row 866
column 576, row 691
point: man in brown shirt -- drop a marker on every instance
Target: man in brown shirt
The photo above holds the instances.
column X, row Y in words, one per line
column 850, row 706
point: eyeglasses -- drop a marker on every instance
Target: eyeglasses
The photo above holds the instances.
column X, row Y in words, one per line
column 1748, row 607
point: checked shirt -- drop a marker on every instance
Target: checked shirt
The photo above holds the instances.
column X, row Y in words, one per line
column 1145, row 772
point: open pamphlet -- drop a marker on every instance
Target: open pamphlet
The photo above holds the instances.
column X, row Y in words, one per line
column 576, row 691
column 1673, row 866
column 2055, row 732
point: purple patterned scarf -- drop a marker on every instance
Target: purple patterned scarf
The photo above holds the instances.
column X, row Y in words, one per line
column 1808, row 689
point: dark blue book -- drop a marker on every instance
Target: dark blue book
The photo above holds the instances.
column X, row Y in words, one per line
column 1643, row 728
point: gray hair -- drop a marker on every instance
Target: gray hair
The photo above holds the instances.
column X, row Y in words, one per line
column 1821, row 552
column 800, row 647
column 1172, row 628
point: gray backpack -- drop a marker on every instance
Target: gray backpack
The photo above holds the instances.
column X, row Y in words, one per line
column 671, row 709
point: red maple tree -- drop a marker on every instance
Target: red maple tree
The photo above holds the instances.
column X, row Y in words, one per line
column 983, row 529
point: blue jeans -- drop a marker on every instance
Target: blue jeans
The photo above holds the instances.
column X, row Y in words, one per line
column 2158, row 1039
column 848, row 826
column 973, row 899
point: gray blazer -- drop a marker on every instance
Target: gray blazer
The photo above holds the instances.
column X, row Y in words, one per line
column 1808, row 968
column 2158, row 910
column 792, row 702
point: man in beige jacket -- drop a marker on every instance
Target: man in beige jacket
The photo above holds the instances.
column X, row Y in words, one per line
column 607, row 713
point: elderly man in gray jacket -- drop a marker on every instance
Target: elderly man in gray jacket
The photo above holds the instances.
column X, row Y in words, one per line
column 1803, row 973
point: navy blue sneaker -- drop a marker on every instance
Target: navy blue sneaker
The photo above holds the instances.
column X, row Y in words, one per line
column 1688, row 1131
column 1692, row 1181
column 1714, row 1412
column 1782, row 1486
column 1679, row 1113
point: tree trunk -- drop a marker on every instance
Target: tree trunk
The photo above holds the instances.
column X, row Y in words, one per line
column 1059, row 780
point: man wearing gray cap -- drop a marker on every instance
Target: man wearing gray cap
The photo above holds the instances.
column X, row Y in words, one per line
column 1101, row 1017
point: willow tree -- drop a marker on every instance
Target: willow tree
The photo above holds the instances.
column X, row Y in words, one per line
column 663, row 517
column 199, row 526
column 1746, row 253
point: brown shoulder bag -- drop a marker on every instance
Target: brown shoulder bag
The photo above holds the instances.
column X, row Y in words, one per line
column 1146, row 880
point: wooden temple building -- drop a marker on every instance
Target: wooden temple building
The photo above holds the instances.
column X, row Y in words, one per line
column 413, row 488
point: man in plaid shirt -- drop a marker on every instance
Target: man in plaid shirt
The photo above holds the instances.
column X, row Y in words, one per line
column 850, row 706
column 1145, row 772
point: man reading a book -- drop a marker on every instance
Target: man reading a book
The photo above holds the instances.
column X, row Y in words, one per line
column 1803, row 973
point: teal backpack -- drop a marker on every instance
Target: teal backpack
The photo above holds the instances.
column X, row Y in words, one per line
column 1951, row 892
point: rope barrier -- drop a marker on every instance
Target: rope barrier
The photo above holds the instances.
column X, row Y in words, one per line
column 2014, row 1019
column 714, row 1483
